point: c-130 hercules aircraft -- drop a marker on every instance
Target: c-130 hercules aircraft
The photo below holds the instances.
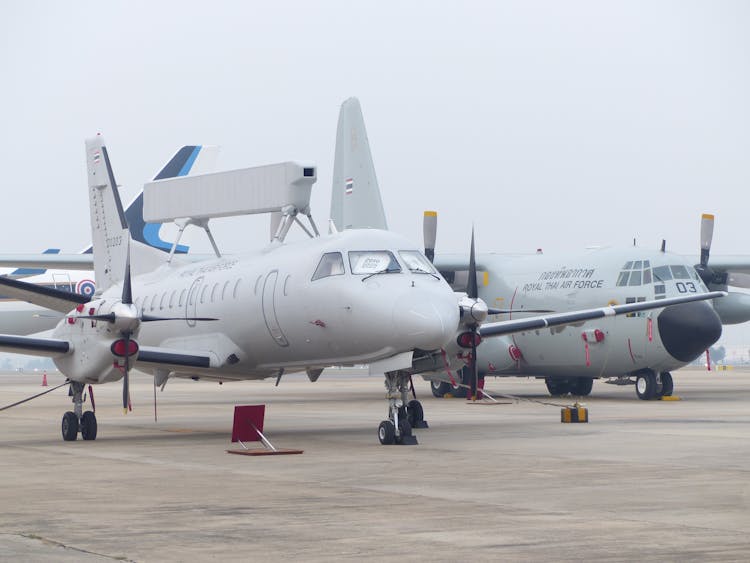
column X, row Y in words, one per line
column 644, row 346
column 353, row 297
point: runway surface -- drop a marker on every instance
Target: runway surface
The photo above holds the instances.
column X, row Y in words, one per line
column 654, row 481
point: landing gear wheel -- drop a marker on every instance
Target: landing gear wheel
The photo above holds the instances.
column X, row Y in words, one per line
column 440, row 388
column 69, row 426
column 387, row 433
column 645, row 385
column 404, row 431
column 557, row 386
column 415, row 414
column 88, row 426
column 667, row 385
column 581, row 386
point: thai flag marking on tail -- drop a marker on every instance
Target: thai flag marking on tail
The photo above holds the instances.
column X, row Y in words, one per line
column 349, row 185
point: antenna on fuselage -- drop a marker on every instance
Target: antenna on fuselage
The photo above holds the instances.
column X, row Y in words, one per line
column 663, row 245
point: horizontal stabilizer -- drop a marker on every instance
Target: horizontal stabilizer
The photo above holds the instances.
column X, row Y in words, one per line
column 246, row 191
column 47, row 297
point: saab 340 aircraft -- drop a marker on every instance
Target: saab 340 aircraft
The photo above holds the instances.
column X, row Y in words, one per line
column 363, row 296
column 20, row 317
column 642, row 348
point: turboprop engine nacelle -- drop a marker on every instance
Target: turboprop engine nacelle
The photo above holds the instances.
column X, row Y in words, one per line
column 734, row 308
column 90, row 358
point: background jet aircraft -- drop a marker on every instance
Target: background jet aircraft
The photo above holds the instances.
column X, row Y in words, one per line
column 644, row 346
column 20, row 317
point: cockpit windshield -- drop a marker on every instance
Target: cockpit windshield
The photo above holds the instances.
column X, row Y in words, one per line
column 331, row 264
column 416, row 262
column 373, row 262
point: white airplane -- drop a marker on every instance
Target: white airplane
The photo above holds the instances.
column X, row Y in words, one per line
column 21, row 317
column 644, row 347
column 352, row 297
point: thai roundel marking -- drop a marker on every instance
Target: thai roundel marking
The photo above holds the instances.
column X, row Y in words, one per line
column 86, row 288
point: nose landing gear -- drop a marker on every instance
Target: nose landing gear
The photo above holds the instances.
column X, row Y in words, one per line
column 77, row 421
column 403, row 415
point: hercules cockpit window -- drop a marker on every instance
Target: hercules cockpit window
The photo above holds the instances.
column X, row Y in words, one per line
column 331, row 264
column 373, row 262
column 416, row 262
column 635, row 273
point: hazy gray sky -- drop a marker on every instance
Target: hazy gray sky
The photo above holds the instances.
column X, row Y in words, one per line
column 545, row 123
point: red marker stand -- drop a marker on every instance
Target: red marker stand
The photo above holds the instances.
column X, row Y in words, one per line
column 248, row 427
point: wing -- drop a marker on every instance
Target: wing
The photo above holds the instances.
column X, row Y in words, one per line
column 47, row 297
column 558, row 319
column 54, row 261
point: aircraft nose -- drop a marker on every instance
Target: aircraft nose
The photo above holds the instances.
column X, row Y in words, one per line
column 425, row 322
column 687, row 330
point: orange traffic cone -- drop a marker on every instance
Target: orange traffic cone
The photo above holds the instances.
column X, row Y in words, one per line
column 44, row 379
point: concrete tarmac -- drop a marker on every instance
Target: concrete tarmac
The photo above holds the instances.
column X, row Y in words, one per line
column 653, row 481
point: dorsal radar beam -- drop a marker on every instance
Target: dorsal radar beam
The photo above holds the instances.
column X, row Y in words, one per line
column 280, row 189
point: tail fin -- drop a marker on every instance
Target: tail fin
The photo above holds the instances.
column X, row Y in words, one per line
column 190, row 159
column 355, row 197
column 109, row 226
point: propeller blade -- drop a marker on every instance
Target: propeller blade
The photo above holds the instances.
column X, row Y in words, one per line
column 151, row 318
column 472, row 290
column 474, row 370
column 429, row 232
column 127, row 290
column 493, row 311
column 739, row 280
column 707, row 234
column 125, row 379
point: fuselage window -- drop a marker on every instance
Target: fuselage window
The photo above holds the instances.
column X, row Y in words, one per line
column 637, row 265
column 416, row 262
column 646, row 277
column 623, row 278
column 635, row 278
column 236, row 291
column 331, row 264
column 373, row 262
column 182, row 297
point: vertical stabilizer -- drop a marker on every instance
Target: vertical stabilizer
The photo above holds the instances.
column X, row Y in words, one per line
column 355, row 197
column 109, row 226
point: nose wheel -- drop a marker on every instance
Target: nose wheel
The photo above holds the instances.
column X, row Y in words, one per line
column 403, row 415
column 77, row 421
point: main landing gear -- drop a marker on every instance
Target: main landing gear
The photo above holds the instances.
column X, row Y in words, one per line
column 403, row 415
column 650, row 385
column 77, row 421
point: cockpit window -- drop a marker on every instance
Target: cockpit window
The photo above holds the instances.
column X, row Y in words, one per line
column 331, row 264
column 662, row 273
column 416, row 261
column 373, row 262
column 680, row 273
